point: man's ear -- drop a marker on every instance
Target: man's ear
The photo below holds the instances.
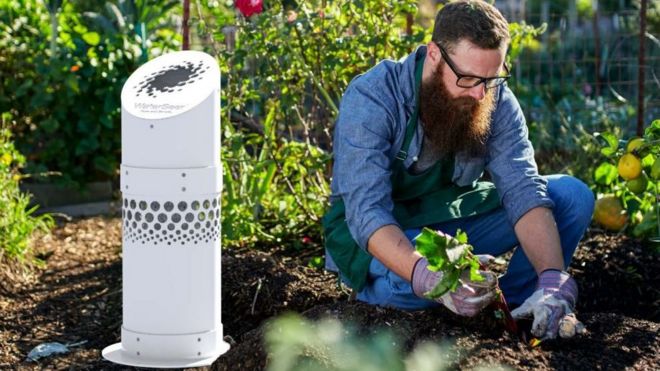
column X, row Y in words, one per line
column 433, row 52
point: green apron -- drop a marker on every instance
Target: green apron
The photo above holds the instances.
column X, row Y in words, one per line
column 419, row 200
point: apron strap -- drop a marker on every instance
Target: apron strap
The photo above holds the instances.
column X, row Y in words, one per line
column 411, row 126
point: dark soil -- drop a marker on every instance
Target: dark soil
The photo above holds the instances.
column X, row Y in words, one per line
column 77, row 297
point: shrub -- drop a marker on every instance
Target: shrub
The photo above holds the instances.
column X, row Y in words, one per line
column 561, row 131
column 17, row 221
column 62, row 75
column 282, row 82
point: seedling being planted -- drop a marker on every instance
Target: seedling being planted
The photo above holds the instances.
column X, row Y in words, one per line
column 452, row 256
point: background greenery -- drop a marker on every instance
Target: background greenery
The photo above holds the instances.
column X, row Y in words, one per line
column 62, row 72
column 17, row 222
column 283, row 72
column 284, row 78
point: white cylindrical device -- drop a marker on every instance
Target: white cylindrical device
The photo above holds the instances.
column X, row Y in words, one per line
column 171, row 179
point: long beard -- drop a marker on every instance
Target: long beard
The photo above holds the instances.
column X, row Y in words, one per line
column 454, row 125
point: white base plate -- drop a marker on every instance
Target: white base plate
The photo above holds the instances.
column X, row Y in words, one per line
column 115, row 353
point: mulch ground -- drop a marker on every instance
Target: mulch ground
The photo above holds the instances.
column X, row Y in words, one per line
column 76, row 298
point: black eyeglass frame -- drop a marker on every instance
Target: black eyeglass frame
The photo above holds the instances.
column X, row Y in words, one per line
column 480, row 80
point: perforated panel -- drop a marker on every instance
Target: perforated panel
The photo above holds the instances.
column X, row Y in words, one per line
column 171, row 222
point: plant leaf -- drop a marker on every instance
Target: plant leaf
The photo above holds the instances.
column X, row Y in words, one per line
column 609, row 141
column 91, row 38
column 605, row 174
column 653, row 131
column 450, row 255
column 474, row 271
column 432, row 246
column 449, row 282
column 456, row 253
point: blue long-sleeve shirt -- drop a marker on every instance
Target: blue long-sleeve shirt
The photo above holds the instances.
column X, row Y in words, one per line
column 370, row 130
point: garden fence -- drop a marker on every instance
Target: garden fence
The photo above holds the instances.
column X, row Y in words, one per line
column 593, row 57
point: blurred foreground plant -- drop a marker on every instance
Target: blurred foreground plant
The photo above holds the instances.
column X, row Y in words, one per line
column 17, row 221
column 295, row 343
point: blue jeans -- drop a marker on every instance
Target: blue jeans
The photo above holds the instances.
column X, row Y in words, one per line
column 492, row 234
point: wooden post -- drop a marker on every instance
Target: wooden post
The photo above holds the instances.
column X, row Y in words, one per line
column 642, row 62
column 409, row 23
column 185, row 26
column 594, row 6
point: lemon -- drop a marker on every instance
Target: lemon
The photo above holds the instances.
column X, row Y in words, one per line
column 638, row 185
column 630, row 167
column 609, row 213
column 634, row 144
column 655, row 169
column 6, row 159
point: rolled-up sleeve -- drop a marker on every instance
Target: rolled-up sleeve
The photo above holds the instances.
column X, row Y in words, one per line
column 361, row 172
column 511, row 161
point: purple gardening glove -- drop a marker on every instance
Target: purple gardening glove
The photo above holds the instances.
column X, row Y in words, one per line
column 552, row 306
column 469, row 298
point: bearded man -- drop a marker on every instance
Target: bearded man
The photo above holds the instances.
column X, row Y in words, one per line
column 411, row 143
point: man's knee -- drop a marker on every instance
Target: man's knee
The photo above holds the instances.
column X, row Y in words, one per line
column 573, row 199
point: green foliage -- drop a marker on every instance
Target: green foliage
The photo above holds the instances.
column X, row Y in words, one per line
column 139, row 17
column 282, row 82
column 303, row 58
column 274, row 189
column 294, row 343
column 523, row 36
column 561, row 131
column 17, row 221
column 63, row 87
column 450, row 255
column 639, row 196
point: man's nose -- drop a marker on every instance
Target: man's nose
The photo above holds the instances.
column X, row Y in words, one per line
column 478, row 92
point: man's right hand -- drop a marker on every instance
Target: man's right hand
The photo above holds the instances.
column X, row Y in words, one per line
column 469, row 298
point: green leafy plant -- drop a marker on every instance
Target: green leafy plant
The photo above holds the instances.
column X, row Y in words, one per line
column 627, row 182
column 523, row 36
column 452, row 256
column 17, row 220
column 449, row 255
column 274, row 190
column 302, row 56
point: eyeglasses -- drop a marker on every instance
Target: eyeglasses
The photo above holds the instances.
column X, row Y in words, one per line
column 469, row 81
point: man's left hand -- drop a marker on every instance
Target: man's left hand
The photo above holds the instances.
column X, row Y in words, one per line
column 552, row 306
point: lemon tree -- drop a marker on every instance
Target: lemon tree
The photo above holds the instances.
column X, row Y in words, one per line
column 638, row 185
column 634, row 144
column 609, row 213
column 630, row 166
column 627, row 183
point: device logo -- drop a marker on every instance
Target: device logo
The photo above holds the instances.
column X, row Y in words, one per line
column 171, row 78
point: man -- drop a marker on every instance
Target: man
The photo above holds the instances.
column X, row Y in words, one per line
column 411, row 142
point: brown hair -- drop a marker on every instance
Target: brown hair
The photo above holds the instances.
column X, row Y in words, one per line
column 475, row 20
